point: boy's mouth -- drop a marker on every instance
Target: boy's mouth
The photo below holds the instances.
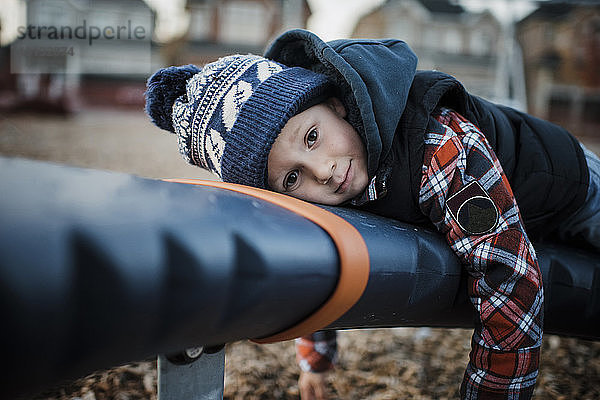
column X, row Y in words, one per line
column 346, row 181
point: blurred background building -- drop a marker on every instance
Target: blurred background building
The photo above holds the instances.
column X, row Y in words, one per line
column 561, row 47
column 47, row 74
column 540, row 56
column 224, row 27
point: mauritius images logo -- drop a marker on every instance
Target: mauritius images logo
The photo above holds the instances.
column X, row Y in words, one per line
column 75, row 37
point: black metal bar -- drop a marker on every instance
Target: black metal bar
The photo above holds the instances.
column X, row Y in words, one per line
column 99, row 268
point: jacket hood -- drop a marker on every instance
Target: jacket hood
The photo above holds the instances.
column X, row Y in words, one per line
column 374, row 78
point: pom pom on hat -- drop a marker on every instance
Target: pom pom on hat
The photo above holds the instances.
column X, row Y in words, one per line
column 228, row 114
column 163, row 88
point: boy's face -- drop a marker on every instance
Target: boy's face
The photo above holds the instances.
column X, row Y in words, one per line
column 319, row 157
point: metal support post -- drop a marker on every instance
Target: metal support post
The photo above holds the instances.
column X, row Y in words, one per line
column 200, row 379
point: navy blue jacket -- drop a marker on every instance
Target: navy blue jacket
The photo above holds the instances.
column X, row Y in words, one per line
column 390, row 104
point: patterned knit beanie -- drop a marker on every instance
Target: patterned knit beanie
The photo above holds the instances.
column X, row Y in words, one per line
column 228, row 114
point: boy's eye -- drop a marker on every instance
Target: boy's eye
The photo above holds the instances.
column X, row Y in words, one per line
column 311, row 137
column 290, row 180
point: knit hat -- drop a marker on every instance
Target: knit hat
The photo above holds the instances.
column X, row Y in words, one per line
column 228, row 114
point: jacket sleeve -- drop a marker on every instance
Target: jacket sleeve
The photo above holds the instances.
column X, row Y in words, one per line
column 467, row 196
column 317, row 352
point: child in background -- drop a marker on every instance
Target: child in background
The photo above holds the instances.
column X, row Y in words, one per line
column 352, row 122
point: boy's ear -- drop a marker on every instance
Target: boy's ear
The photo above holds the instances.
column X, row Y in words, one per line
column 337, row 106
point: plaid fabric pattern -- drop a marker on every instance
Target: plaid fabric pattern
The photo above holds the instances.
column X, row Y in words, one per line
column 316, row 352
column 505, row 281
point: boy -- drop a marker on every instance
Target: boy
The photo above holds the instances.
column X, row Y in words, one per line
column 352, row 122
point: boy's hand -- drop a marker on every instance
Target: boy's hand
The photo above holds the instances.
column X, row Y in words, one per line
column 313, row 385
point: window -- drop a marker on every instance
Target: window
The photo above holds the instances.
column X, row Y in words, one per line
column 244, row 22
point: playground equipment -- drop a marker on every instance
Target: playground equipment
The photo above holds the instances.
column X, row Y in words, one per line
column 100, row 268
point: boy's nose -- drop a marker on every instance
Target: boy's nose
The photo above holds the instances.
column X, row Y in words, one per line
column 324, row 171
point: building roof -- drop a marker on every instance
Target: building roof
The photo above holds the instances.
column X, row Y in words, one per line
column 553, row 9
column 442, row 6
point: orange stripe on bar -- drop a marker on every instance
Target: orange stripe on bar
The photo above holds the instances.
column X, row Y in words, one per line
column 353, row 254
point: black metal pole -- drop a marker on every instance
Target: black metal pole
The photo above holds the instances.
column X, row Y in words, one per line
column 99, row 268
